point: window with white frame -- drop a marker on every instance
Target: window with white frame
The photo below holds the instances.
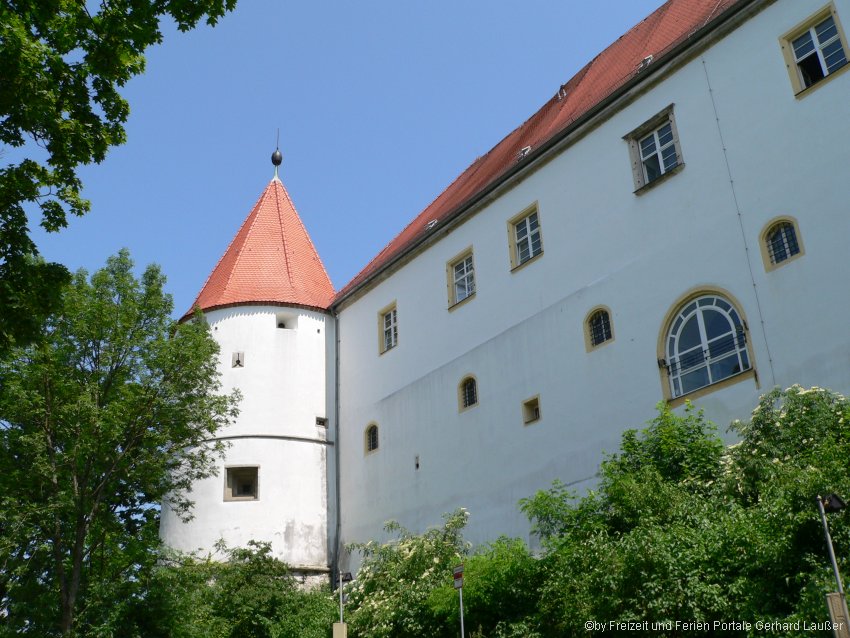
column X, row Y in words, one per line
column 706, row 343
column 527, row 242
column 388, row 328
column 815, row 49
column 461, row 272
column 655, row 150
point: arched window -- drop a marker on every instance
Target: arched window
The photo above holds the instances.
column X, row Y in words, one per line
column 599, row 327
column 372, row 437
column 706, row 343
column 781, row 242
column 468, row 391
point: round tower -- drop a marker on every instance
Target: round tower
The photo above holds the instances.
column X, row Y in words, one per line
column 266, row 303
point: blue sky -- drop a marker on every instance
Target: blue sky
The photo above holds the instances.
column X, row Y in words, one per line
column 380, row 105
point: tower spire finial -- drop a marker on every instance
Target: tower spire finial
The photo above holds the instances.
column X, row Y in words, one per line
column 277, row 157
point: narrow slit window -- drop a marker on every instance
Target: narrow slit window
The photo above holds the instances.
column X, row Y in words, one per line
column 468, row 393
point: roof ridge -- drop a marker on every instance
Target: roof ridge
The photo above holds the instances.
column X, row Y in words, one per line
column 309, row 239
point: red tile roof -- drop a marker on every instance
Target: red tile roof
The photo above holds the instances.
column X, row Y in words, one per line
column 271, row 261
column 670, row 25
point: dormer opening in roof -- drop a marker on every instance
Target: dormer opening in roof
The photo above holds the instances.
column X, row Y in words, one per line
column 645, row 63
column 525, row 150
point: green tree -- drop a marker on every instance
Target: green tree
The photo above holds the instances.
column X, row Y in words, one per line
column 62, row 64
column 682, row 529
column 103, row 417
column 250, row 595
column 390, row 596
column 501, row 589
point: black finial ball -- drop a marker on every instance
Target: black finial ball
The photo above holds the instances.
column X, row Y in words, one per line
column 277, row 157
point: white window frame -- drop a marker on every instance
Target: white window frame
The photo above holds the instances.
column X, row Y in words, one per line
column 656, row 130
column 460, row 277
column 388, row 328
column 809, row 27
column 525, row 231
column 711, row 355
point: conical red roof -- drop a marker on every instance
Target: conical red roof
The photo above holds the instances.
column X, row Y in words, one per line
column 271, row 261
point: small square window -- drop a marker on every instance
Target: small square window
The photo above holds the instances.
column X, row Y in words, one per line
column 531, row 410
column 460, row 273
column 526, row 241
column 388, row 328
column 237, row 360
column 655, row 150
column 814, row 49
column 241, row 484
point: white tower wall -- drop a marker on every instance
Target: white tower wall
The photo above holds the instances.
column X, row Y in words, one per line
column 282, row 378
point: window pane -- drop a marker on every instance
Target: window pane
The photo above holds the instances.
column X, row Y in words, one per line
column 716, row 324
column 722, row 346
column 689, row 337
column 521, row 230
column 803, row 45
column 523, row 254
column 725, row 368
column 536, row 247
column 669, row 157
column 834, row 57
column 532, row 221
column 647, row 146
column 694, row 380
column 652, row 167
column 665, row 135
column 691, row 359
column 826, row 30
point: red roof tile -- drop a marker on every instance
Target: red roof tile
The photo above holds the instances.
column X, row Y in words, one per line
column 271, row 261
column 657, row 35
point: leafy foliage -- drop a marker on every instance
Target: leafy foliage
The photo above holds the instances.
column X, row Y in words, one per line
column 501, row 586
column 107, row 414
column 251, row 595
column 63, row 63
column 680, row 530
column 389, row 598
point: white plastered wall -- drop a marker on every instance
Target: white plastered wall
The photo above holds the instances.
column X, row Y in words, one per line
column 283, row 385
column 603, row 245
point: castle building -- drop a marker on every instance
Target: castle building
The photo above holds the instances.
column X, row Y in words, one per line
column 667, row 227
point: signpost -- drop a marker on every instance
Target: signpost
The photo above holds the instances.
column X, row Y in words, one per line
column 458, row 576
column 340, row 630
column 835, row 602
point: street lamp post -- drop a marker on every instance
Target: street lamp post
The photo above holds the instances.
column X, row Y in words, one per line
column 834, row 503
column 339, row 629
